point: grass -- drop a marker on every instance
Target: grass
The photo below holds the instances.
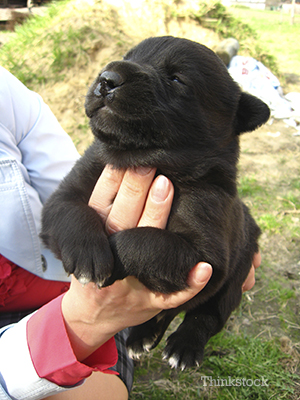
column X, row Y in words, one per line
column 235, row 367
column 275, row 31
column 249, row 186
column 45, row 49
column 274, row 213
column 214, row 15
column 24, row 55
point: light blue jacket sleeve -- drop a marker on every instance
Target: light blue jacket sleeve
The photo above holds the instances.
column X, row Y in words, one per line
column 35, row 154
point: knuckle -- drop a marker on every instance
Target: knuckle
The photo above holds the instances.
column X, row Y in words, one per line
column 133, row 189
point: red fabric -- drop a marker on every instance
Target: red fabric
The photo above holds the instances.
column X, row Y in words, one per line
column 48, row 342
column 21, row 290
column 51, row 351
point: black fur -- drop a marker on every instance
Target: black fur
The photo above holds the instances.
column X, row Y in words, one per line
column 170, row 104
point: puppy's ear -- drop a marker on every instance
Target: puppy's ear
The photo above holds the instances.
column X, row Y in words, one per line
column 251, row 113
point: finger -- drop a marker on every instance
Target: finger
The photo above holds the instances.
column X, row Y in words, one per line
column 256, row 260
column 250, row 281
column 198, row 278
column 106, row 190
column 158, row 204
column 130, row 200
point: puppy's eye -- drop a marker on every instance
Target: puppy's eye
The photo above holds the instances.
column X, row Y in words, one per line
column 176, row 78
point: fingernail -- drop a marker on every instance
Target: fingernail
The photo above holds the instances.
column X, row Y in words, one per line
column 160, row 189
column 203, row 272
column 143, row 170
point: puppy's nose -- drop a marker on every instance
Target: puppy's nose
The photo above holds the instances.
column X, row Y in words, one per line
column 109, row 80
column 112, row 78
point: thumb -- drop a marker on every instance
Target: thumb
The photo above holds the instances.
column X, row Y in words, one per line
column 198, row 278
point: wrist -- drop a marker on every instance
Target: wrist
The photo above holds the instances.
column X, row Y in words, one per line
column 85, row 328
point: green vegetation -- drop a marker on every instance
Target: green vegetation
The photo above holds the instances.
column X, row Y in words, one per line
column 274, row 30
column 236, row 367
column 217, row 17
column 249, row 186
column 25, row 55
column 45, row 47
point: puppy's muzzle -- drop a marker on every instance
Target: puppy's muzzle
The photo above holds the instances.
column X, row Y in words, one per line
column 108, row 82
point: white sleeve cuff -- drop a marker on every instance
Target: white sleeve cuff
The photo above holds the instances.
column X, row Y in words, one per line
column 18, row 377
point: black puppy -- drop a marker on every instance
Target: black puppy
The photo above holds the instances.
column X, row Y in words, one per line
column 170, row 104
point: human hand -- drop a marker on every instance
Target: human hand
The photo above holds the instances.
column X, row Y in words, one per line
column 250, row 281
column 123, row 207
column 124, row 200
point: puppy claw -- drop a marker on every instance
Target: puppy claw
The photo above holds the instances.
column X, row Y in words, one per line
column 146, row 348
column 133, row 354
column 148, row 343
column 183, row 366
column 83, row 280
column 173, row 361
column 100, row 284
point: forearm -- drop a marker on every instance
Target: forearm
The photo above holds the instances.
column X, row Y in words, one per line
column 85, row 324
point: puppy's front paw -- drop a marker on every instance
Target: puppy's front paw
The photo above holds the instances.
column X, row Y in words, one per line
column 136, row 253
column 89, row 258
column 183, row 351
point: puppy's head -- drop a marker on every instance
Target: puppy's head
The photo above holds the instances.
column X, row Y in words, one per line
column 169, row 93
